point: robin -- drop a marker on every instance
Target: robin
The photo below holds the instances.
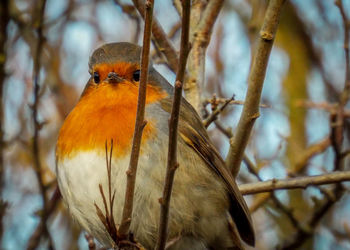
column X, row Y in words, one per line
column 205, row 198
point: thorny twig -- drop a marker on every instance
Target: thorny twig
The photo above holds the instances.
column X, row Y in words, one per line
column 172, row 163
column 255, row 84
column 140, row 123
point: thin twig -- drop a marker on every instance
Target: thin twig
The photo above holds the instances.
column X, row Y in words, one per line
column 50, row 208
column 337, row 120
column 35, row 238
column 233, row 102
column 172, row 163
column 200, row 41
column 90, row 241
column 293, row 183
column 337, row 133
column 287, row 211
column 140, row 123
column 107, row 219
column 131, row 12
column 255, row 83
column 214, row 115
column 161, row 38
column 329, row 107
column 302, row 236
column 300, row 164
column 4, row 19
column 346, row 26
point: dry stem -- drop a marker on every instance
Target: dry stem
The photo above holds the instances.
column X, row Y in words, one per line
column 4, row 19
column 337, row 119
column 200, row 42
column 161, row 38
column 293, row 183
column 214, row 115
column 139, row 124
column 35, row 238
column 172, row 163
column 255, row 83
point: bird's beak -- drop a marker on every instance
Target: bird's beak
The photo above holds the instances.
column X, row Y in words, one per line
column 114, row 78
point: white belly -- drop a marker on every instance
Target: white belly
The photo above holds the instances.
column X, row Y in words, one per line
column 195, row 192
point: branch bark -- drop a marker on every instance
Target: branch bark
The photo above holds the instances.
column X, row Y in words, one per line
column 139, row 125
column 255, row 84
column 200, row 41
column 337, row 120
column 4, row 14
column 42, row 227
column 293, row 183
column 161, row 38
column 172, row 163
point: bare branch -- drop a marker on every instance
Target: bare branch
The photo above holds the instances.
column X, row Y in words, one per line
column 214, row 115
column 233, row 102
column 286, row 210
column 311, row 151
column 255, row 83
column 293, row 183
column 172, row 163
column 161, row 38
column 50, row 208
column 131, row 12
column 337, row 120
column 139, row 124
column 4, row 19
column 90, row 241
column 346, row 91
column 329, row 107
column 200, row 42
column 107, row 219
column 43, row 231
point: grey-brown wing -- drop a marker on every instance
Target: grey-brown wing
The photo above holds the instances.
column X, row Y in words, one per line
column 192, row 131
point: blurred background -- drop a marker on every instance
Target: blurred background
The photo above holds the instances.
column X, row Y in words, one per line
column 304, row 81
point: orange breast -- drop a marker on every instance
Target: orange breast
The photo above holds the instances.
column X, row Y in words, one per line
column 104, row 112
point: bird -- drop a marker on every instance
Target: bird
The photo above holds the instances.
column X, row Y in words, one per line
column 206, row 208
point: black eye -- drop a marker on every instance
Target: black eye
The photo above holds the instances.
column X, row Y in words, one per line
column 136, row 76
column 96, row 77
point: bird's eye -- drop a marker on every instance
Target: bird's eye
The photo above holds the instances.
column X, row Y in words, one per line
column 96, row 77
column 136, row 76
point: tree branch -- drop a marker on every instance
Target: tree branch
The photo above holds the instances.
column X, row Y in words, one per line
column 4, row 19
column 172, row 163
column 161, row 38
column 255, row 84
column 139, row 124
column 214, row 115
column 337, row 120
column 293, row 183
column 36, row 236
column 200, row 41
